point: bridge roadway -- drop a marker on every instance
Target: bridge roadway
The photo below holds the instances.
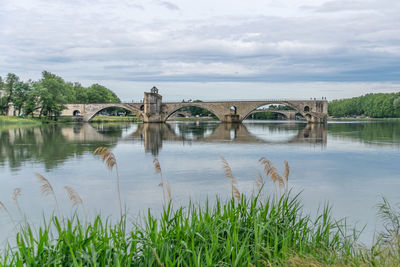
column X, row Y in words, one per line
column 152, row 109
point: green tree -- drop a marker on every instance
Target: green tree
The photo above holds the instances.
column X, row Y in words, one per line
column 373, row 105
column 50, row 91
column 7, row 91
column 100, row 94
column 21, row 93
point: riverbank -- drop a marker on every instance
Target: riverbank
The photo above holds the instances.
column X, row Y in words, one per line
column 18, row 121
column 114, row 119
column 193, row 119
column 363, row 119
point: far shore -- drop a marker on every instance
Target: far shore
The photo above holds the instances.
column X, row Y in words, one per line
column 13, row 121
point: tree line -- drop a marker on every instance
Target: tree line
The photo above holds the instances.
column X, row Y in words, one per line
column 48, row 95
column 372, row 105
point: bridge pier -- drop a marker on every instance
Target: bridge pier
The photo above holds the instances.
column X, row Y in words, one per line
column 232, row 118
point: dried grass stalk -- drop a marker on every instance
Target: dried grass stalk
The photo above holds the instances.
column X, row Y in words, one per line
column 287, row 171
column 164, row 186
column 229, row 174
column 46, row 189
column 75, row 199
column 14, row 197
column 259, row 181
column 16, row 194
column 236, row 193
column 227, row 169
column 3, row 207
column 73, row 196
column 106, row 156
column 157, row 167
column 110, row 161
column 169, row 191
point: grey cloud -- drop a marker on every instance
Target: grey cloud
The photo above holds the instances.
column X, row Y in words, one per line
column 355, row 6
column 105, row 43
column 168, row 5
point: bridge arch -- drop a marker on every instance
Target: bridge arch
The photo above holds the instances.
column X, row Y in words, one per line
column 191, row 104
column 284, row 113
column 285, row 103
column 93, row 109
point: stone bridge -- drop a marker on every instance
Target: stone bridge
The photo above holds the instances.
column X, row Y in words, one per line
column 152, row 109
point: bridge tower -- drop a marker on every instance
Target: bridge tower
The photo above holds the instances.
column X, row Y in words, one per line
column 152, row 106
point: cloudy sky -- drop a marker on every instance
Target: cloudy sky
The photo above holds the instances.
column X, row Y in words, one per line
column 209, row 49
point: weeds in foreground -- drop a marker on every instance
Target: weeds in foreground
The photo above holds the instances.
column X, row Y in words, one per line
column 252, row 231
column 232, row 233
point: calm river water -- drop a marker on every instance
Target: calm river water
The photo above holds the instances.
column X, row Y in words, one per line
column 351, row 165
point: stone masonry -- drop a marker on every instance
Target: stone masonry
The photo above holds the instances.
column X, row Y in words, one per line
column 152, row 109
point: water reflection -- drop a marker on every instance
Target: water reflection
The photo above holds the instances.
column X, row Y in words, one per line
column 53, row 144
column 153, row 135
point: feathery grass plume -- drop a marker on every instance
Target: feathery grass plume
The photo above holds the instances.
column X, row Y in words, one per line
column 14, row 197
column 236, row 193
column 259, row 181
column 47, row 189
column 287, row 171
column 157, row 170
column 73, row 196
column 75, row 199
column 3, row 207
column 169, row 191
column 227, row 168
column 276, row 177
column 108, row 158
column 229, row 174
column 267, row 165
column 157, row 167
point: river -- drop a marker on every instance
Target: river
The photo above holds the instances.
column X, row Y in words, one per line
column 349, row 165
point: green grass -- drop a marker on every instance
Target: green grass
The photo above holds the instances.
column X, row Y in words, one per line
column 114, row 118
column 193, row 119
column 11, row 120
column 251, row 232
column 363, row 119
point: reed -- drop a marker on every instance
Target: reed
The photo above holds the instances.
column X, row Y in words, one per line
column 108, row 158
column 75, row 199
column 46, row 189
column 229, row 174
column 165, row 185
column 4, row 208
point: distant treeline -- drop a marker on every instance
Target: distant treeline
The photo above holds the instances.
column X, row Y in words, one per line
column 48, row 95
column 372, row 105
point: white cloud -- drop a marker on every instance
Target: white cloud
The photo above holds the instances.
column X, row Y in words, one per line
column 202, row 41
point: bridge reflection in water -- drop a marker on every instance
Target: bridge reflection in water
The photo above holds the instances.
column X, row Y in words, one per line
column 154, row 134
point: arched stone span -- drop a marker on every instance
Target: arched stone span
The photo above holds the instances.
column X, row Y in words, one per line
column 288, row 114
column 93, row 109
column 88, row 111
column 170, row 109
column 317, row 112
